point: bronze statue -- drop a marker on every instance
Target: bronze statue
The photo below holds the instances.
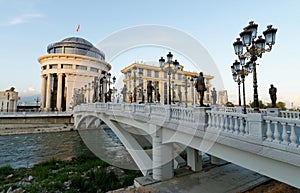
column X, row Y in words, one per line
column 149, row 91
column 200, row 87
column 272, row 92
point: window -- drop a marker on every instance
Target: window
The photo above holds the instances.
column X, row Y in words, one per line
column 51, row 51
column 58, row 50
column 149, row 73
column 69, row 50
column 141, row 73
column 67, row 66
column 165, row 75
column 79, row 67
column 94, row 69
column 179, row 76
column 156, row 74
column 53, row 66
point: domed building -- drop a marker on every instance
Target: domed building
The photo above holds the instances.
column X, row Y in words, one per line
column 69, row 66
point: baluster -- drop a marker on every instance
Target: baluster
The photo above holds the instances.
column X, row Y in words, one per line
column 242, row 127
column 246, row 128
column 225, row 122
column 293, row 136
column 217, row 121
column 209, row 120
column 230, row 123
column 285, row 135
column 236, row 126
column 276, row 132
column 213, row 120
column 269, row 131
column 222, row 122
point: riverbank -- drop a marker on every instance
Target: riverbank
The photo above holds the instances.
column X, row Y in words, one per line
column 84, row 173
column 15, row 129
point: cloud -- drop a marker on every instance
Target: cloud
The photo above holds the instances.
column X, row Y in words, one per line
column 24, row 18
column 29, row 92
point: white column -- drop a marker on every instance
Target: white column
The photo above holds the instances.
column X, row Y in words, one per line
column 162, row 157
column 59, row 92
column 194, row 159
column 48, row 93
column 43, row 92
column 69, row 89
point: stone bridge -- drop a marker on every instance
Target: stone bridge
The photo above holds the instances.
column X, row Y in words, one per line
column 265, row 142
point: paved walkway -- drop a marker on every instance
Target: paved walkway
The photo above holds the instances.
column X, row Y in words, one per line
column 221, row 179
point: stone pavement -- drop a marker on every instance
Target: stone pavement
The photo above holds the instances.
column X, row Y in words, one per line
column 226, row 178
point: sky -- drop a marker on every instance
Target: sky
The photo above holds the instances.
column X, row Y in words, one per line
column 28, row 27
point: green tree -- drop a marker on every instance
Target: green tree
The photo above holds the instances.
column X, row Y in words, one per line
column 260, row 104
column 281, row 105
column 229, row 104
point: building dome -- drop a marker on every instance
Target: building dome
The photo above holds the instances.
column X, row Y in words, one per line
column 75, row 45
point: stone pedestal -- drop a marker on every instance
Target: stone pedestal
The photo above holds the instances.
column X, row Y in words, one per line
column 274, row 112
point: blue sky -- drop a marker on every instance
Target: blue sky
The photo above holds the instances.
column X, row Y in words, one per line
column 27, row 27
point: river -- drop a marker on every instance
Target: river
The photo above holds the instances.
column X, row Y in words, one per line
column 25, row 150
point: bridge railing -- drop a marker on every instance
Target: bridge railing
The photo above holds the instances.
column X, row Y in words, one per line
column 290, row 114
column 182, row 114
column 230, row 121
column 283, row 131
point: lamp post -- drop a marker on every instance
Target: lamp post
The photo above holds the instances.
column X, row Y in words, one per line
column 134, row 84
column 192, row 88
column 239, row 72
column 7, row 102
column 254, row 47
column 142, row 86
column 169, row 69
column 185, row 89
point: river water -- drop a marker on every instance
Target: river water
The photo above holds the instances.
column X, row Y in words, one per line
column 25, row 150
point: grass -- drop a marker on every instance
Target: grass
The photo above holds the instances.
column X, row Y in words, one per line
column 85, row 173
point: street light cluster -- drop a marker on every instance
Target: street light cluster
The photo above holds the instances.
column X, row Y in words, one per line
column 99, row 87
column 250, row 47
column 166, row 67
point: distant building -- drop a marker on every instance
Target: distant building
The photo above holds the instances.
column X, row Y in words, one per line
column 69, row 67
column 222, row 97
column 9, row 100
column 182, row 88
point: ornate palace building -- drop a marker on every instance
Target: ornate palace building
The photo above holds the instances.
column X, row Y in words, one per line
column 68, row 67
column 183, row 92
column 9, row 100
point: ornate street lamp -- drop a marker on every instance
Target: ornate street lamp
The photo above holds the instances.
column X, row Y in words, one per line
column 254, row 48
column 192, row 88
column 169, row 69
column 142, row 86
column 239, row 73
column 134, row 83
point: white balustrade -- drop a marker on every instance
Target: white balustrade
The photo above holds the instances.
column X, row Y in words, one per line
column 229, row 122
column 290, row 114
column 284, row 131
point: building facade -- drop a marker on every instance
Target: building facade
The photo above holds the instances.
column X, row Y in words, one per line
column 9, row 100
column 223, row 97
column 69, row 67
column 182, row 87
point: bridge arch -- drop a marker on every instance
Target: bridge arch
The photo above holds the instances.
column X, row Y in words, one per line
column 89, row 129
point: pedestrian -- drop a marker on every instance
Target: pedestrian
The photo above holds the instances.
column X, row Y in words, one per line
column 200, row 87
column 272, row 92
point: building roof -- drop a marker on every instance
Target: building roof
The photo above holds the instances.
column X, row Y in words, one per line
column 75, row 45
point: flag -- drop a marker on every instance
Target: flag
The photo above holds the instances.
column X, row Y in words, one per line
column 78, row 27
